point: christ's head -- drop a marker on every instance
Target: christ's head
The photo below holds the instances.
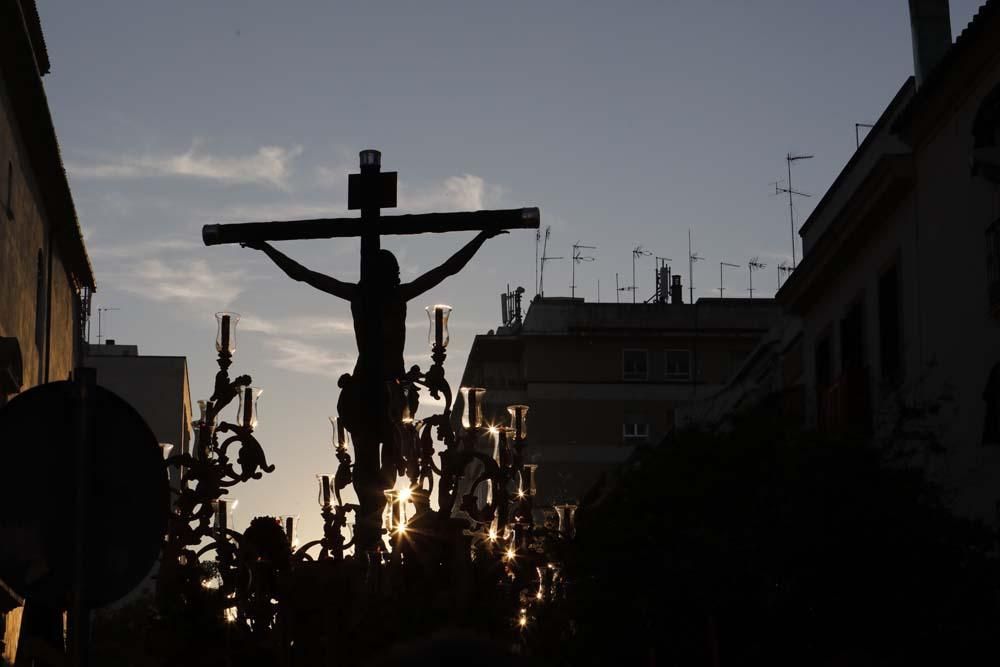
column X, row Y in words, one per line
column 388, row 270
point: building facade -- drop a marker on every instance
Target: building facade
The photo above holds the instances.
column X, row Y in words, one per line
column 44, row 264
column 156, row 386
column 602, row 378
column 899, row 287
column 45, row 274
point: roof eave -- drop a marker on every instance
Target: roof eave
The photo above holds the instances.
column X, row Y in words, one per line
column 20, row 64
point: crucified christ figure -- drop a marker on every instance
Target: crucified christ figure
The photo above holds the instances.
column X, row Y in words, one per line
column 391, row 307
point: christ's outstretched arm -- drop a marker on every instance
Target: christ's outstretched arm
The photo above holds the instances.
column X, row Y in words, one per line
column 453, row 265
column 296, row 271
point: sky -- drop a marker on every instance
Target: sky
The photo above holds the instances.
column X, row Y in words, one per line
column 626, row 123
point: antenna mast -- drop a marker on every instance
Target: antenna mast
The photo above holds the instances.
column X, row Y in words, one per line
column 577, row 258
column 722, row 264
column 100, row 313
column 538, row 238
column 637, row 251
column 789, row 159
column 754, row 265
column 662, row 274
column 545, row 258
column 692, row 258
column 783, row 268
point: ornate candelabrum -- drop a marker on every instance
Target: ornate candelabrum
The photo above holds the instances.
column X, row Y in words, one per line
column 485, row 516
column 206, row 475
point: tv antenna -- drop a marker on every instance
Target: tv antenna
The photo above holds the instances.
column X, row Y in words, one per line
column 722, row 264
column 545, row 258
column 783, row 268
column 692, row 258
column 538, row 239
column 789, row 159
column 100, row 314
column 662, row 274
column 754, row 265
column 619, row 290
column 637, row 251
column 577, row 258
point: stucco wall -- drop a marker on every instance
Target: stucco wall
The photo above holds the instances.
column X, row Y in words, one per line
column 949, row 340
column 22, row 237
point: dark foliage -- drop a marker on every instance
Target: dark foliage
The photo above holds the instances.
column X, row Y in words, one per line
column 762, row 548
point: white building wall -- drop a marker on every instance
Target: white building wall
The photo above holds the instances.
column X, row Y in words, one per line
column 949, row 339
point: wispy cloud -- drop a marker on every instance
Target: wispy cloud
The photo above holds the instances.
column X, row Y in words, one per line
column 300, row 357
column 333, row 177
column 304, row 326
column 270, row 165
column 185, row 280
column 455, row 193
column 141, row 248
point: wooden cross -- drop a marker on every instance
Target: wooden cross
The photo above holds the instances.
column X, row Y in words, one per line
column 370, row 191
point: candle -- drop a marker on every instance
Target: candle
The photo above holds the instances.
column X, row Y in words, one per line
column 503, row 451
column 248, row 407
column 290, row 528
column 473, row 405
column 528, row 478
column 225, row 333
column 222, row 515
column 324, row 486
column 438, row 326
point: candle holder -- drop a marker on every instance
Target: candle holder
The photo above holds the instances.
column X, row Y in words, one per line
column 438, row 336
column 518, row 421
column 200, row 513
column 567, row 519
column 290, row 524
column 472, row 417
column 225, row 338
column 247, row 410
column 326, row 491
column 341, row 436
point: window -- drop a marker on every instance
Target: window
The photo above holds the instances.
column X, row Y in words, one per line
column 890, row 348
column 634, row 433
column 635, row 365
column 678, row 365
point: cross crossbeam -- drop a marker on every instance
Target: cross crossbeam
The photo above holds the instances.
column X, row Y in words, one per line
column 329, row 228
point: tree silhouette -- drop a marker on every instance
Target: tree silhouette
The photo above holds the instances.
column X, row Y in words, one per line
column 760, row 547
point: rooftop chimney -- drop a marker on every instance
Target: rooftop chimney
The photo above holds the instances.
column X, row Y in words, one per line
column 930, row 26
column 676, row 291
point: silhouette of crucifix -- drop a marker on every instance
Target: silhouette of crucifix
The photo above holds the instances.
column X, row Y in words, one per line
column 378, row 304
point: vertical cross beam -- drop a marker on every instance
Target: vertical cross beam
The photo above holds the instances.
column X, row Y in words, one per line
column 365, row 192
